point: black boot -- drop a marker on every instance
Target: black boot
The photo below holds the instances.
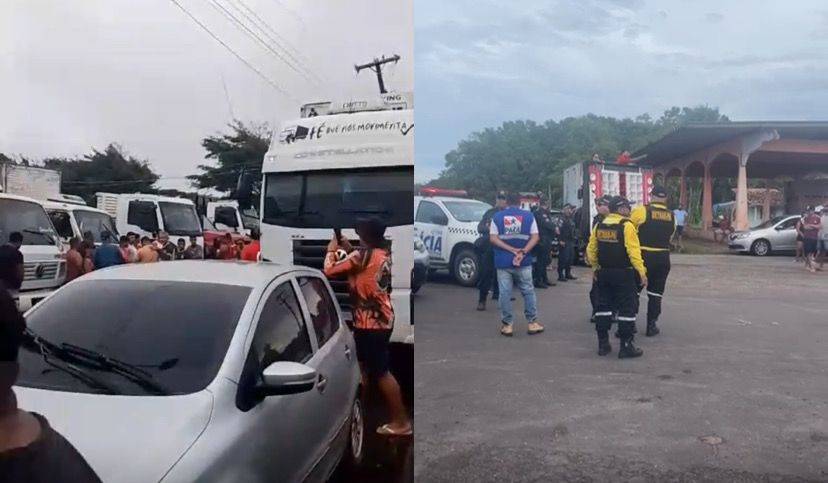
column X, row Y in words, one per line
column 540, row 284
column 548, row 282
column 652, row 330
column 628, row 350
column 481, row 306
column 604, row 346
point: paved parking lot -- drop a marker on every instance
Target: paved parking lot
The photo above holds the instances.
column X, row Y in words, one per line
column 734, row 389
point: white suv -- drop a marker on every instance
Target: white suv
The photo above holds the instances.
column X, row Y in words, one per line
column 448, row 228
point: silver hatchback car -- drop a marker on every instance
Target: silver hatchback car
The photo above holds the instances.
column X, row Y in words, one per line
column 197, row 371
column 775, row 235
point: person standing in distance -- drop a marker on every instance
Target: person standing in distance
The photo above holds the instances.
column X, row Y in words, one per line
column 681, row 217
column 513, row 233
column 656, row 225
column 487, row 280
column 602, row 207
column 614, row 254
column 566, row 240
column 546, row 232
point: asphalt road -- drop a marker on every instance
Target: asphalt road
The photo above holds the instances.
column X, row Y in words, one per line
column 734, row 389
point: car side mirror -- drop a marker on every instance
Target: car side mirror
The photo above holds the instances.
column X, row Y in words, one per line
column 283, row 377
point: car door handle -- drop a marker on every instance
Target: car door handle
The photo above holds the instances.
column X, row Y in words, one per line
column 347, row 352
column 321, row 383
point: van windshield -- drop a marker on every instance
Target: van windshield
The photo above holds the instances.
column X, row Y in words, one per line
column 338, row 198
column 180, row 219
column 27, row 218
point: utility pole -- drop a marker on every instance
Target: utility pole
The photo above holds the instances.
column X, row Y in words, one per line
column 376, row 66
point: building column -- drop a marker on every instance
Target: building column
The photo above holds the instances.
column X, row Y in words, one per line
column 707, row 198
column 741, row 221
column 682, row 190
column 766, row 207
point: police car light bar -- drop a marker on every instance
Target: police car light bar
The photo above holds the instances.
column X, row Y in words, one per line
column 429, row 191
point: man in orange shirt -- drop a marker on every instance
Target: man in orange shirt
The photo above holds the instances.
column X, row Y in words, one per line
column 251, row 251
column 74, row 260
column 228, row 250
column 148, row 252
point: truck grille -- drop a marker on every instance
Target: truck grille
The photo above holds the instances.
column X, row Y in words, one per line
column 311, row 253
column 34, row 271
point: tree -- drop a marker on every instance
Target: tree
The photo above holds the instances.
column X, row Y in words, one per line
column 242, row 150
column 526, row 156
column 111, row 170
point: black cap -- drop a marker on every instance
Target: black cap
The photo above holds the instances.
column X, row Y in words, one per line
column 603, row 200
column 617, row 202
column 501, row 195
column 658, row 191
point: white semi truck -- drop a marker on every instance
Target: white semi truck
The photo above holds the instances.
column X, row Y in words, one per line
column 21, row 190
column 325, row 170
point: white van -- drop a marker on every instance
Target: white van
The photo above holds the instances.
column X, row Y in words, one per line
column 145, row 214
column 325, row 172
column 72, row 220
column 43, row 253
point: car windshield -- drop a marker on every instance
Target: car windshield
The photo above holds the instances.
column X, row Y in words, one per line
column 178, row 332
column 467, row 210
column 97, row 223
column 767, row 224
column 180, row 219
column 29, row 219
column 338, row 198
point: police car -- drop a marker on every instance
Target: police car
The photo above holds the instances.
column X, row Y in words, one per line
column 446, row 222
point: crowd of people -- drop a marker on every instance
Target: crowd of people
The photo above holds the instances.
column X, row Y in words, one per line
column 628, row 250
column 812, row 238
column 85, row 255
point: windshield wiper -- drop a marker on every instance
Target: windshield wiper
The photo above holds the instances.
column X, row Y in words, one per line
column 130, row 371
column 47, row 350
column 45, row 235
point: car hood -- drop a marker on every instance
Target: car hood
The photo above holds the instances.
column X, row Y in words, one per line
column 126, row 439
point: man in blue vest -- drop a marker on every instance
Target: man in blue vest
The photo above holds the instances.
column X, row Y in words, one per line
column 513, row 233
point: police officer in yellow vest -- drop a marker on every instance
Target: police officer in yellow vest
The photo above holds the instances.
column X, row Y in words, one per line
column 614, row 254
column 656, row 226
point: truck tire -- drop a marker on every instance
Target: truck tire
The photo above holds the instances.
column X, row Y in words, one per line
column 465, row 267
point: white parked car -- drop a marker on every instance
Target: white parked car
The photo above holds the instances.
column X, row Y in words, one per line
column 197, row 371
column 447, row 225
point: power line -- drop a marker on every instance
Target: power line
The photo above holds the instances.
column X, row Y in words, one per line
column 245, row 62
column 275, row 37
column 241, row 25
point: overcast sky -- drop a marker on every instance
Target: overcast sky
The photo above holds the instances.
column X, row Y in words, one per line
column 78, row 74
column 482, row 62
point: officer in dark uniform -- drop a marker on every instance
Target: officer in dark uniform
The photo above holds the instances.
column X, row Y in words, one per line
column 656, row 226
column 614, row 254
column 487, row 280
column 602, row 206
column 566, row 244
column 546, row 229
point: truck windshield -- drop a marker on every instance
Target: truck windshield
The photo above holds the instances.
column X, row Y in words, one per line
column 29, row 219
column 338, row 198
column 180, row 219
column 467, row 210
column 97, row 223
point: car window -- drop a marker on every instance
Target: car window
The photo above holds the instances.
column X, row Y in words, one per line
column 321, row 307
column 61, row 221
column 427, row 211
column 788, row 224
column 177, row 332
column 281, row 334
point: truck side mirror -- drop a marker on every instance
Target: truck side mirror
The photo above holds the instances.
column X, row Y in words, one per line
column 580, row 193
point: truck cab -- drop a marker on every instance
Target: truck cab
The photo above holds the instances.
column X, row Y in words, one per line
column 324, row 171
column 226, row 215
column 146, row 214
column 73, row 220
column 446, row 222
column 43, row 253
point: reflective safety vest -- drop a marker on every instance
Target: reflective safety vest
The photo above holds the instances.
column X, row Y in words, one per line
column 612, row 251
column 657, row 228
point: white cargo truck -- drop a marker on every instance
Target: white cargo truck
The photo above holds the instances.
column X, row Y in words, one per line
column 146, row 214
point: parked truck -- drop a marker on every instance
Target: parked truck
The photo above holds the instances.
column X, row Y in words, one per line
column 588, row 180
column 21, row 210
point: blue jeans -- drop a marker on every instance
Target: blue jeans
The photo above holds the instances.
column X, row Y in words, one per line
column 522, row 277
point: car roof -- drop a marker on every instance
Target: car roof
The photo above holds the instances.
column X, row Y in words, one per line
column 448, row 198
column 227, row 272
